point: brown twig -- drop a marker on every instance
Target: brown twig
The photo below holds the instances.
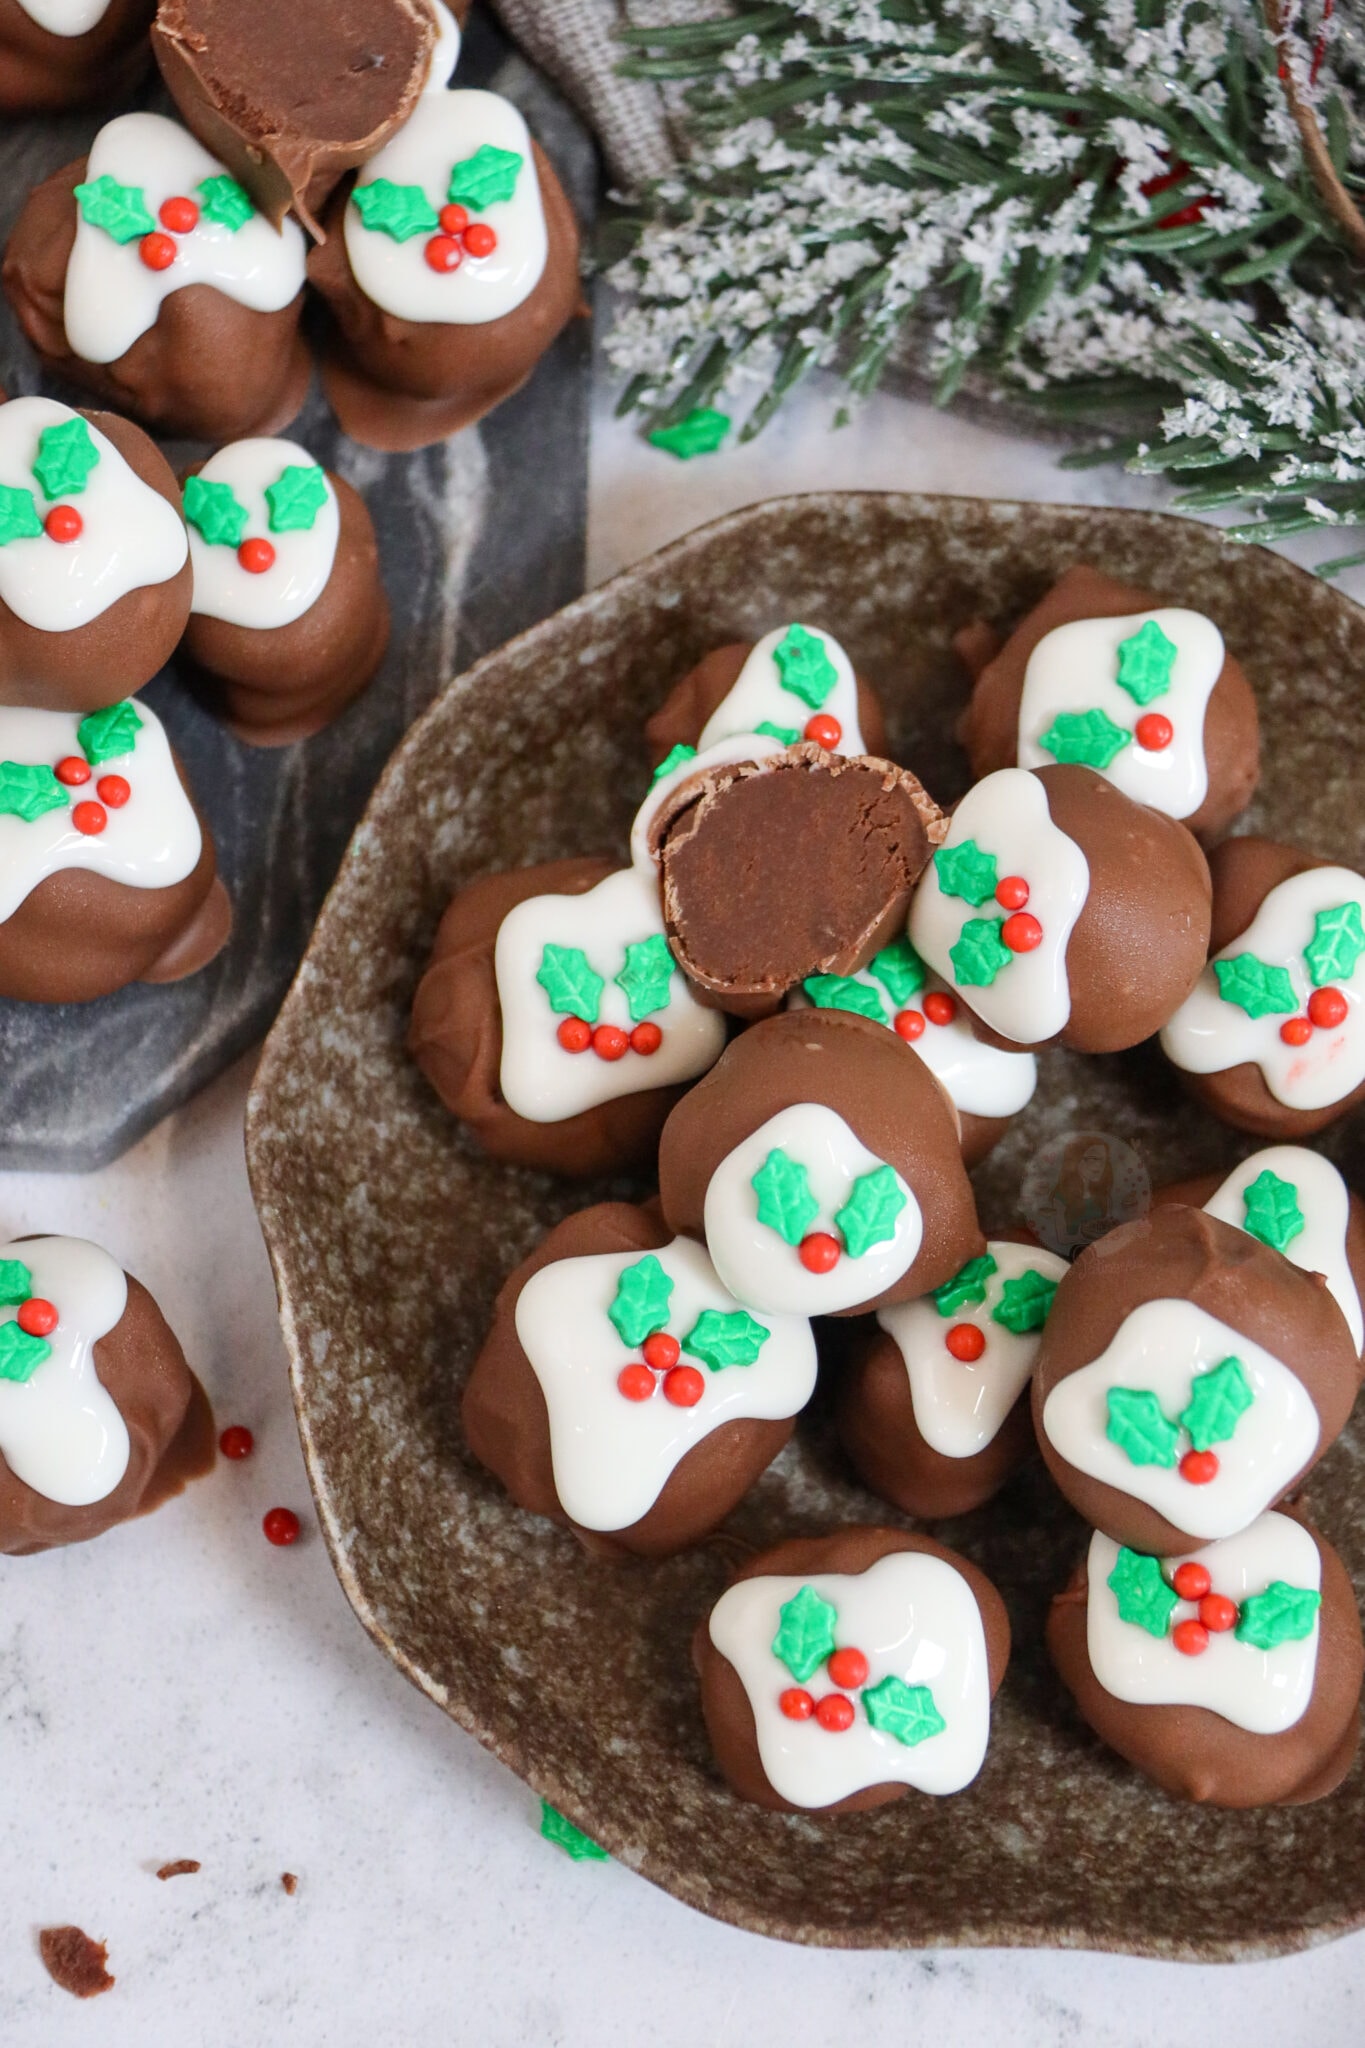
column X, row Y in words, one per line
column 1322, row 170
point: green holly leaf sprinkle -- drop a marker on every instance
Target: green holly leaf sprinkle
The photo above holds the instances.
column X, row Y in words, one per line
column 20, row 1354
column 718, row 1339
column 674, row 758
column 640, row 1306
column 1218, row 1400
column 785, row 1202
column 967, row 1284
column 806, row 1637
column 967, row 872
column 487, row 178
column 223, row 200
column 398, row 211
column 296, row 497
column 555, row 1828
column 571, row 982
column 1282, row 1614
column 900, row 970
column 869, row 1215
column 787, row 734
column 1025, row 1303
column 644, row 980
column 1272, row 1210
column 1146, row 659
column 28, row 789
column 1144, row 1598
column 216, row 510
column 120, row 210
column 905, row 1711
column 105, row 735
column 1256, row 986
column 1337, row 943
column 1138, row 1426
column 700, row 433
column 845, row 992
column 66, row 455
column 1088, row 736
column 16, row 1283
column 803, row 667
column 980, row 953
column 18, row 514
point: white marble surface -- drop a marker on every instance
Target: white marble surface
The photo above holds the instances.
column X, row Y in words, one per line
column 181, row 1689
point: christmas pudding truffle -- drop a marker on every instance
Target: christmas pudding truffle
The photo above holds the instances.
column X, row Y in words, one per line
column 1060, row 910
column 822, row 1168
column 552, row 1020
column 56, row 54
column 931, row 1405
column 1189, row 1376
column 1145, row 694
column 94, row 565
column 100, row 1417
column 796, row 683
column 144, row 274
column 1271, row 1038
column 289, row 618
column 107, row 872
column 1230, row 1675
column 624, row 1392
column 838, row 1672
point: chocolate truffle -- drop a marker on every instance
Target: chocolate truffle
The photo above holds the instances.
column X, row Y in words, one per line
column 94, row 564
column 1061, row 911
column 807, row 1711
column 932, row 1406
column 1272, row 1037
column 551, row 1019
column 1188, row 1378
column 821, row 1166
column 289, row 620
column 623, row 1392
column 107, row 872
column 1230, row 1675
column 56, row 54
column 1102, row 673
column 143, row 273
column 100, row 1417
column 795, row 683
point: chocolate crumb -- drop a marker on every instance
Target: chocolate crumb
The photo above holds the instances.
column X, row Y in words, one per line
column 185, row 1866
column 290, row 1882
column 74, row 1961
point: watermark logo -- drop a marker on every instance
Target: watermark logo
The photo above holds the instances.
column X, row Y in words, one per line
column 1081, row 1185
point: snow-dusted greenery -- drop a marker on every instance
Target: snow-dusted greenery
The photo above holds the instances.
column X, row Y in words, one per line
column 1100, row 205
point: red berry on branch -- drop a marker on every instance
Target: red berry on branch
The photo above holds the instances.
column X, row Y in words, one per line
column 966, row 1342
column 796, row 1703
column 281, row 1526
column 848, row 1669
column 479, row 238
column 1191, row 1638
column 1011, row 892
column 824, row 730
column 157, row 251
column 1191, row 1581
column 256, row 556
column 1165, row 179
column 835, row 1713
column 1197, row 1468
column 1327, row 1007
column 646, row 1039
column 1154, row 731
column 609, row 1042
column 90, row 818
column 63, row 523
column 444, row 254
column 574, row 1034
column 940, row 1007
column 1022, row 932
column 454, row 218
column 636, row 1381
column 819, row 1253
column 1185, row 216
column 73, row 771
column 236, row 1442
column 1296, row 1031
column 37, row 1318
column 114, row 791
column 1217, row 1613
column 661, row 1351
column 909, row 1025
column 180, row 215
column 684, row 1386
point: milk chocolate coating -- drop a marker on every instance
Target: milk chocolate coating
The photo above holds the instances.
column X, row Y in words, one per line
column 1244, row 871
column 1193, row 1752
column 507, row 1425
column 802, row 864
column 1182, row 1254
column 112, row 656
column 292, row 96
column 170, row 1436
column 858, row 1069
column 989, row 728
column 684, row 712
column 401, row 384
column 281, row 683
column 207, row 367
column 42, row 73
column 456, row 1038
column 724, row 1702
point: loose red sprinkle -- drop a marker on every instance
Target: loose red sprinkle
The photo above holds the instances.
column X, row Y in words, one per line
column 848, row 1668
column 237, row 1441
column 1191, row 1581
column 966, row 1342
column 63, row 523
column 910, row 1025
column 1011, row 892
column 609, row 1042
column 684, row 1386
column 940, row 1008
column 1296, row 1031
column 444, row 254
column 157, row 251
column 636, row 1381
column 1217, row 1612
column 835, row 1713
column 256, row 556
column 1191, row 1638
column 646, row 1039
column 480, row 239
column 72, row 771
column 1199, row 1467
column 661, row 1351
column 819, row 1253
column 796, row 1703
column 824, row 730
column 38, row 1318
column 454, row 219
column 281, row 1525
column 180, row 215
column 1327, row 1007
column 574, row 1034
column 1022, row 932
column 1154, row 731
column 114, row 791
column 90, row 818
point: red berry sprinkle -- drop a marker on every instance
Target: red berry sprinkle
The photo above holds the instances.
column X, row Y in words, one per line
column 1191, row 1581
column 609, row 1042
column 661, row 1351
column 1199, row 1467
column 824, row 730
column 37, row 1318
column 72, row 771
column 90, row 818
column 835, row 1713
column 1022, row 932
column 479, row 238
column 1191, row 1638
column 1217, row 1613
column 574, row 1034
column 848, row 1669
column 819, row 1253
column 1327, row 1007
column 636, row 1381
column 646, row 1039
column 1296, row 1031
column 1011, row 892
column 63, row 523
column 444, row 253
column 281, row 1525
column 796, row 1703
column 940, row 1007
column 1154, row 731
column 114, row 791
column 684, row 1386
column 454, row 219
column 910, row 1025
column 180, row 215
column 237, row 1442
column 966, row 1342
column 256, row 556
column 157, row 251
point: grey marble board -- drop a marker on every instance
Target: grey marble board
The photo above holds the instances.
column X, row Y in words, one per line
column 478, row 537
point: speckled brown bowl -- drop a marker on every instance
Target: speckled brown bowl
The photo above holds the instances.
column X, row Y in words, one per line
column 389, row 1238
